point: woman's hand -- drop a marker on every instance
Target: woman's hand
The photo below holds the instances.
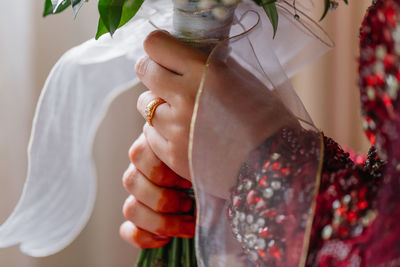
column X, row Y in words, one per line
column 173, row 71
column 175, row 78
column 156, row 209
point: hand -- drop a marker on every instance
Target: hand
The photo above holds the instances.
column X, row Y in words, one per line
column 174, row 77
column 156, row 209
column 173, row 71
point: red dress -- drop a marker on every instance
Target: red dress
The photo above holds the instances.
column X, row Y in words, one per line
column 356, row 220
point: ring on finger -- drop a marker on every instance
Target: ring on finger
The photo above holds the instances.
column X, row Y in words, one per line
column 151, row 108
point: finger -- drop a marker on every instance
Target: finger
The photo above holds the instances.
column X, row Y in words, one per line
column 162, row 115
column 141, row 238
column 158, row 223
column 143, row 157
column 159, row 145
column 173, row 54
column 158, row 79
column 156, row 198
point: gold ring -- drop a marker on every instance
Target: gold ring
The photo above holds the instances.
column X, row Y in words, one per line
column 151, row 108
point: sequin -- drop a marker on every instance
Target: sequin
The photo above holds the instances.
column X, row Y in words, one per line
column 380, row 52
column 264, row 232
column 261, row 222
column 275, row 156
column 276, row 185
column 251, row 240
column 268, row 193
column 260, row 244
column 248, row 184
column 250, row 219
column 252, row 198
column 327, row 232
column 393, row 86
column 263, row 182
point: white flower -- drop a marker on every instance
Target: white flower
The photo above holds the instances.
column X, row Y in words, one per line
column 219, row 12
column 181, row 2
column 206, row 4
column 229, row 2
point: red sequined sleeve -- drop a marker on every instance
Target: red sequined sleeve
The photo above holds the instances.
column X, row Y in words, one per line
column 357, row 205
column 343, row 206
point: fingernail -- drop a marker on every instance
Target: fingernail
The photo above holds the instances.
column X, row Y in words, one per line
column 127, row 172
column 126, row 231
column 130, row 199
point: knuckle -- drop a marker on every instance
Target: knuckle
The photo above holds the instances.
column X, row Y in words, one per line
column 142, row 101
column 152, row 39
column 126, row 179
column 122, row 231
column 130, row 210
column 135, row 151
column 129, row 179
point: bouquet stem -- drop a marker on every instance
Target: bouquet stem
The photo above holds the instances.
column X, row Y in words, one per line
column 177, row 253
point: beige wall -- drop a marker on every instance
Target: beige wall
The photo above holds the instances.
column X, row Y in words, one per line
column 44, row 41
column 328, row 88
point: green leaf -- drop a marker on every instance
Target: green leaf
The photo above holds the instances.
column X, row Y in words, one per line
column 129, row 9
column 101, row 29
column 346, row 2
column 272, row 13
column 110, row 13
column 76, row 6
column 49, row 10
column 326, row 9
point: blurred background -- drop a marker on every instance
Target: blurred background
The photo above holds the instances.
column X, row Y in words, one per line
column 30, row 46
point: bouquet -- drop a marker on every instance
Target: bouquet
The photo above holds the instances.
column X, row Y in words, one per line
column 116, row 13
